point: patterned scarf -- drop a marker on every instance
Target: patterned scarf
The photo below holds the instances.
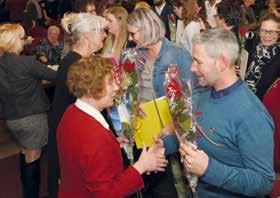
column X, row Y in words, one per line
column 261, row 57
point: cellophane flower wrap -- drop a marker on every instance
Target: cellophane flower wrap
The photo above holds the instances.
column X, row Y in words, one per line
column 179, row 94
column 123, row 114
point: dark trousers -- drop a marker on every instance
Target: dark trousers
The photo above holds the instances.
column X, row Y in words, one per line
column 158, row 185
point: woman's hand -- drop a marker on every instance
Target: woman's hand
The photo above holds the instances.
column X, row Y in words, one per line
column 195, row 161
column 28, row 40
column 43, row 59
column 168, row 129
column 140, row 111
column 152, row 159
column 237, row 70
column 122, row 140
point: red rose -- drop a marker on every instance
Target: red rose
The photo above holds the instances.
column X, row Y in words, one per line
column 173, row 89
column 171, row 18
column 243, row 31
column 118, row 74
column 128, row 66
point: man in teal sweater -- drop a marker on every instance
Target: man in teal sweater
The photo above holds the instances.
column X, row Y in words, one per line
column 235, row 151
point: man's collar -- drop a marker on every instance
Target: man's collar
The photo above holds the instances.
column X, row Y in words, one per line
column 226, row 91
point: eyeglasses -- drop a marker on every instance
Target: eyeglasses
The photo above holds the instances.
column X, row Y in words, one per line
column 216, row 15
column 91, row 11
column 24, row 37
column 105, row 30
column 132, row 34
column 269, row 32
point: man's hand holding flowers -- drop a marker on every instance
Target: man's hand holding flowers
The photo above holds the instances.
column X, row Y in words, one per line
column 195, row 160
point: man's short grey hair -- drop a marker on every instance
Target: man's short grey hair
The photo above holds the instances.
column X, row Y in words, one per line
column 217, row 42
column 151, row 27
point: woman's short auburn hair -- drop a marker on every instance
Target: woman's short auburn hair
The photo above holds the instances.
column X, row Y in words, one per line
column 87, row 77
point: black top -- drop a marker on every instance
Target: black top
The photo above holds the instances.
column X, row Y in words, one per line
column 166, row 11
column 21, row 90
column 62, row 97
column 269, row 73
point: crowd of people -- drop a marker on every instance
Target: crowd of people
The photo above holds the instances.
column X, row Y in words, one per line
column 237, row 151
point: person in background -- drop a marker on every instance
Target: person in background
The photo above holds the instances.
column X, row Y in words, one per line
column 50, row 50
column 179, row 23
column 142, row 4
column 128, row 5
column 248, row 19
column 263, row 64
column 116, row 39
column 85, row 35
column 88, row 6
column 273, row 8
column 211, row 11
column 163, row 9
column 65, row 6
column 233, row 122
column 194, row 18
column 24, row 103
column 228, row 15
column 103, row 5
column 88, row 151
column 33, row 14
column 147, row 30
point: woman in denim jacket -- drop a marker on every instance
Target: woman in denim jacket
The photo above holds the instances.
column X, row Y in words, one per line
column 147, row 30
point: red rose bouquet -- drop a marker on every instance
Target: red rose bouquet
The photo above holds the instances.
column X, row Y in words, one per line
column 179, row 94
column 123, row 114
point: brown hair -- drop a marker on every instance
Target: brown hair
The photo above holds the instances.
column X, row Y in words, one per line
column 190, row 13
column 87, row 77
column 270, row 17
column 81, row 5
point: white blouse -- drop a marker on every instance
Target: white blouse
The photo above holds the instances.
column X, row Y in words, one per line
column 193, row 28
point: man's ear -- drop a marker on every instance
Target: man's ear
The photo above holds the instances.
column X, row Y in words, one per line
column 222, row 62
column 86, row 35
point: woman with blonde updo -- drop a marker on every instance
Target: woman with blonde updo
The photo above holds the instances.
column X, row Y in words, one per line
column 24, row 103
column 84, row 36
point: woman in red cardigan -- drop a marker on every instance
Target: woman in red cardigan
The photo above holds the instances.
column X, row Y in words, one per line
column 89, row 154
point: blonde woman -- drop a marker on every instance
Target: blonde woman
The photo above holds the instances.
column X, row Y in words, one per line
column 85, row 35
column 142, row 4
column 147, row 30
column 24, row 103
column 117, row 31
